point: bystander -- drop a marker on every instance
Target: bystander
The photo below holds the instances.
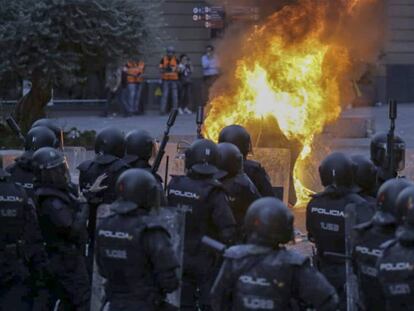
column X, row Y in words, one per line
column 211, row 70
column 169, row 75
column 185, row 69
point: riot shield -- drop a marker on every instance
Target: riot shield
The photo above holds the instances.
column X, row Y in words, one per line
column 352, row 292
column 173, row 219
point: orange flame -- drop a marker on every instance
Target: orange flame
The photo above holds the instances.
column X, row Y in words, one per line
column 290, row 70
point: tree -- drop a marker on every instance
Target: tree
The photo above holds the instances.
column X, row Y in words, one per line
column 57, row 42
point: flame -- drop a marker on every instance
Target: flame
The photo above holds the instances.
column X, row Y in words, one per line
column 290, row 70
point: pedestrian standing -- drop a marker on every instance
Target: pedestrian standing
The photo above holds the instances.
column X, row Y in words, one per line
column 134, row 79
column 112, row 85
column 169, row 75
column 211, row 70
column 185, row 68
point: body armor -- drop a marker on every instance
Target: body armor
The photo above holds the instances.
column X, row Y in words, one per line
column 241, row 193
column 367, row 250
column 21, row 172
column 207, row 212
column 132, row 264
column 259, row 177
column 261, row 278
column 91, row 170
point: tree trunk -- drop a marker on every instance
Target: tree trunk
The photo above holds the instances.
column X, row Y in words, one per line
column 31, row 106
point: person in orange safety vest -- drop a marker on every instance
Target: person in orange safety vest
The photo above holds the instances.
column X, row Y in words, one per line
column 134, row 71
column 169, row 74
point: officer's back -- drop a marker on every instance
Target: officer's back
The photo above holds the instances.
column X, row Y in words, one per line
column 395, row 266
column 371, row 235
column 109, row 149
column 21, row 170
column 263, row 274
column 208, row 212
column 238, row 135
column 240, row 189
column 326, row 214
column 134, row 251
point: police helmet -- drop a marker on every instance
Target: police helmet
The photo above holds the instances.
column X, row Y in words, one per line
column 139, row 187
column 337, row 169
column 387, row 199
column 231, row 159
column 379, row 151
column 50, row 167
column 202, row 157
column 268, row 221
column 365, row 172
column 139, row 143
column 39, row 137
column 236, row 135
column 110, row 141
column 51, row 126
column 405, row 205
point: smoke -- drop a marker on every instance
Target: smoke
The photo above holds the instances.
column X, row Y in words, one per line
column 357, row 25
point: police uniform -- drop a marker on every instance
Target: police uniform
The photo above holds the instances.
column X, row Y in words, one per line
column 254, row 277
column 325, row 223
column 263, row 274
column 207, row 213
column 21, row 172
column 241, row 192
column 367, row 250
column 396, row 271
column 64, row 232
column 135, row 255
column 259, row 177
column 21, row 247
column 90, row 170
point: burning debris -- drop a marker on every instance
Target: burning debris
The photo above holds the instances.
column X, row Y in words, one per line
column 292, row 76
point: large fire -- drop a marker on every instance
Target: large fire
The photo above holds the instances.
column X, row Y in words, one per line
column 291, row 70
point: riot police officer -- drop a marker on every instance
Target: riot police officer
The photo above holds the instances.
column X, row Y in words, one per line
column 207, row 213
column 365, row 177
column 395, row 266
column 134, row 251
column 21, row 170
column 370, row 236
column 325, row 217
column 139, row 149
column 107, row 164
column 62, row 219
column 240, row 189
column 263, row 274
column 380, row 157
column 21, row 249
column 51, row 126
column 238, row 135
column 109, row 149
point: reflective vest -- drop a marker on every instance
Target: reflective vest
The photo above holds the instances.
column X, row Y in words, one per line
column 170, row 68
column 135, row 71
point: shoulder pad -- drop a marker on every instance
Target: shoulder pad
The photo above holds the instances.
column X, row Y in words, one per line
column 85, row 165
column 388, row 243
column 240, row 251
column 355, row 198
column 118, row 165
column 49, row 192
column 152, row 223
column 292, row 257
column 363, row 226
column 105, row 159
column 254, row 164
column 215, row 183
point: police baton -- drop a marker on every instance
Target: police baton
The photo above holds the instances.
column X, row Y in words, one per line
column 214, row 244
column 200, row 121
column 11, row 122
column 165, row 139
